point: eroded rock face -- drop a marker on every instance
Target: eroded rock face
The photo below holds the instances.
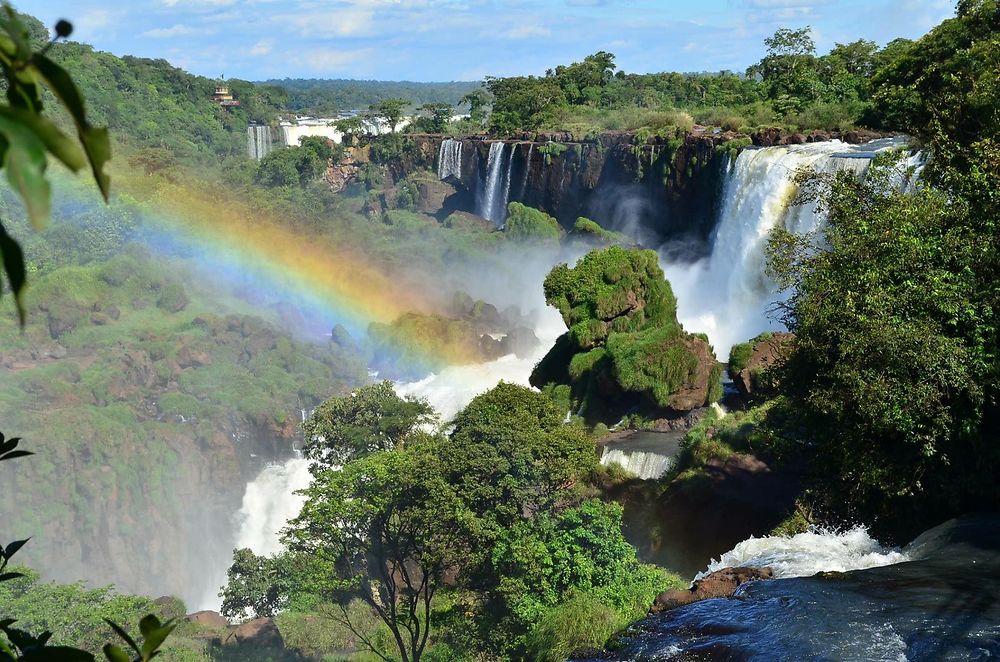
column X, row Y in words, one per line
column 719, row 584
column 671, row 183
column 765, row 354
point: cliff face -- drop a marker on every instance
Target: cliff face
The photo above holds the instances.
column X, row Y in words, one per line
column 658, row 188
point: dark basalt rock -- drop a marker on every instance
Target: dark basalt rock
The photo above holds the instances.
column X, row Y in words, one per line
column 719, row 584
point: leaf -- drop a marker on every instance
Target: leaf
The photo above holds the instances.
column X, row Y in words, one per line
column 7, row 576
column 155, row 638
column 13, row 548
column 123, row 634
column 12, row 455
column 25, row 163
column 148, row 624
column 57, row 142
column 95, row 141
column 13, row 265
column 115, row 654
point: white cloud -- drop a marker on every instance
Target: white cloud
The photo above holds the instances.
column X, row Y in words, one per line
column 345, row 22
column 262, row 47
column 329, row 59
column 527, row 31
column 197, row 3
column 178, row 30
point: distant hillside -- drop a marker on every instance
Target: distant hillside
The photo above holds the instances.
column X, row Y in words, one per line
column 326, row 96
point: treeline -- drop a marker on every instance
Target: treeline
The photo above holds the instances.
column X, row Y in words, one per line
column 791, row 86
column 326, row 97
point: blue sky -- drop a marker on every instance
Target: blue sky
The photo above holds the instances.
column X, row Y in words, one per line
column 466, row 39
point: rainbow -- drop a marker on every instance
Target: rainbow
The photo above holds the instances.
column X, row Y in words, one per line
column 329, row 280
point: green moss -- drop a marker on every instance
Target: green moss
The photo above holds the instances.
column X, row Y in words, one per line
column 588, row 229
column 525, row 224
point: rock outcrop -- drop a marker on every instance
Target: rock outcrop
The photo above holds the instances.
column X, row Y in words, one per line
column 752, row 364
column 719, row 584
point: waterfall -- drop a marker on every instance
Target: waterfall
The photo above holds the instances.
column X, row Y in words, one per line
column 269, row 501
column 506, row 182
column 259, row 142
column 645, row 465
column 727, row 294
column 491, row 205
column 450, row 159
column 527, row 171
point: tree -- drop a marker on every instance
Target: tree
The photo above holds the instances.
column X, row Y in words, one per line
column 439, row 115
column 894, row 374
column 371, row 419
column 389, row 112
column 789, row 67
column 477, row 101
column 393, row 529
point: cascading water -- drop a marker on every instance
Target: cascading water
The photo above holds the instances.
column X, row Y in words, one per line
column 648, row 455
column 270, row 500
column 491, row 200
column 450, row 159
column 527, row 171
column 259, row 143
column 806, row 554
column 727, row 295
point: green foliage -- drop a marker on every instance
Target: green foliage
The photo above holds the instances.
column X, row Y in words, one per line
column 582, row 622
column 389, row 111
column 590, row 231
column 371, row 419
column 296, row 166
column 892, row 379
column 525, row 224
column 379, row 514
column 29, row 138
column 624, row 346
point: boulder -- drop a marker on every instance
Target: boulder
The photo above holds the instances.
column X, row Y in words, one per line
column 767, row 137
column 766, row 353
column 257, row 633
column 520, row 341
column 206, row 618
column 719, row 584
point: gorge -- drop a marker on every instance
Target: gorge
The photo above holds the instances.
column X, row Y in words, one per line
column 583, row 364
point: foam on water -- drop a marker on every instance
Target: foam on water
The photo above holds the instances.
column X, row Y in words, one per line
column 805, row 554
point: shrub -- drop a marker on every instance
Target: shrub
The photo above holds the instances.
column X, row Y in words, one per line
column 581, row 622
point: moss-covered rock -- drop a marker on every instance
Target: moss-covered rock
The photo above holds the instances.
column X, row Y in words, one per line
column 527, row 224
column 625, row 350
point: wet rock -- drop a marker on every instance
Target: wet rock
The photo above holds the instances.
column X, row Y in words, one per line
column 490, row 347
column 694, row 394
column 767, row 137
column 258, row 633
column 207, row 618
column 719, row 584
column 520, row 341
column 793, row 139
